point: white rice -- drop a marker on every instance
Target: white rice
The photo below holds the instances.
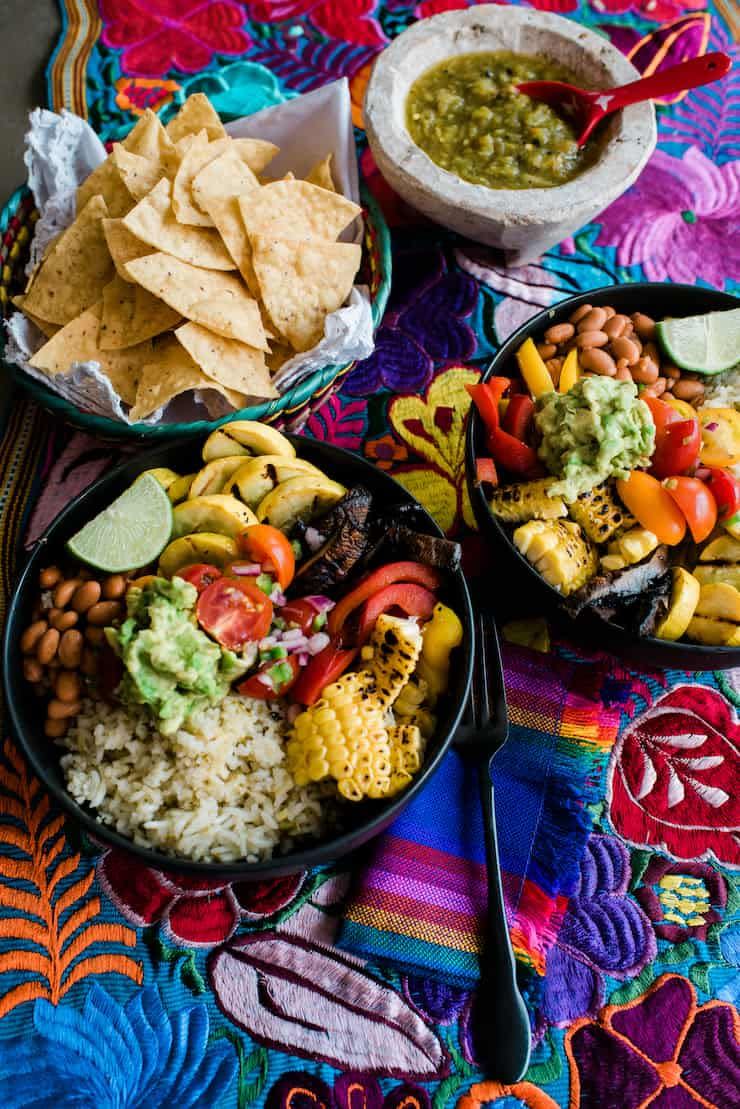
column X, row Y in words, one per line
column 218, row 791
column 723, row 390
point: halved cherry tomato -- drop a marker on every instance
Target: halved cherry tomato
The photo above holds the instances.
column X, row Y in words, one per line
column 486, row 395
column 485, row 470
column 299, row 614
column 652, row 506
column 518, row 417
column 512, row 454
column 677, row 440
column 697, row 504
column 234, row 612
column 726, row 491
column 392, row 572
column 267, row 545
column 323, row 669
column 272, row 680
column 199, row 574
column 412, row 600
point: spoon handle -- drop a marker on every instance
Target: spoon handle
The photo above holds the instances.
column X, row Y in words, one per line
column 686, row 75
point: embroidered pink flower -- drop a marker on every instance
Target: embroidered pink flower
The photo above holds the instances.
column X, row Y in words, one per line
column 658, row 11
column 159, row 35
column 199, row 912
column 673, row 777
column 434, row 7
column 348, row 21
column 679, row 221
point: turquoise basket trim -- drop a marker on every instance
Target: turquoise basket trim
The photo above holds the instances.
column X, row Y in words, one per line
column 314, row 386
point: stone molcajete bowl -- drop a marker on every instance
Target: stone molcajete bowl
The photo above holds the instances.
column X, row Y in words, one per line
column 523, row 223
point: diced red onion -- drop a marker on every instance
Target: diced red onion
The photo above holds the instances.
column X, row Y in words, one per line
column 291, row 635
column 269, row 641
column 245, row 569
column 303, row 658
column 314, row 539
column 278, row 597
column 712, row 427
column 317, row 643
column 319, row 602
column 293, row 712
column 265, row 679
column 296, row 645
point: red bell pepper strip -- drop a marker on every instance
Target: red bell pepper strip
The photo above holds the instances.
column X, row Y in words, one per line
column 389, row 574
column 413, row 600
column 486, row 395
column 323, row 669
column 726, row 491
column 512, row 454
column 518, row 417
column 485, row 470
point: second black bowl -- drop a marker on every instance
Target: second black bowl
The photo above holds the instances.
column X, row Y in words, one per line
column 523, row 582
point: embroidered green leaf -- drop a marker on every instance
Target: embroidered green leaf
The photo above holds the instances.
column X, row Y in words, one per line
column 183, row 961
column 699, row 975
column 639, row 864
column 446, row 1090
column 549, row 1069
column 679, row 953
column 252, row 1068
column 630, row 990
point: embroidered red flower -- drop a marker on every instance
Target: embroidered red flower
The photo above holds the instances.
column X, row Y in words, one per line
column 674, row 777
column 350, row 21
column 159, row 35
column 657, row 11
column 199, row 912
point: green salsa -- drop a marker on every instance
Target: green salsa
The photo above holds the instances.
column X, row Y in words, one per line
column 467, row 115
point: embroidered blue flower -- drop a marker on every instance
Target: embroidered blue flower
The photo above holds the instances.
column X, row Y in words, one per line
column 238, row 89
column 116, row 1057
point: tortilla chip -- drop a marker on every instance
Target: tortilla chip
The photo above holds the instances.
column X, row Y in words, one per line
column 131, row 314
column 196, row 113
column 255, row 153
column 227, row 217
column 149, row 140
column 302, row 282
column 197, row 157
column 122, row 245
column 106, row 181
column 219, row 301
column 75, row 269
column 139, row 175
column 169, row 373
column 226, row 176
column 277, row 357
column 298, row 210
column 153, row 221
column 320, row 174
column 46, row 328
column 230, row 363
column 78, row 342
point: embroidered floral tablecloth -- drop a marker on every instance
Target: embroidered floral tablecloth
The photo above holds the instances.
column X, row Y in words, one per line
column 120, row 986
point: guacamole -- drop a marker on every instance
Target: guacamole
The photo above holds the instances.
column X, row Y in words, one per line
column 170, row 665
column 597, row 430
column 467, row 115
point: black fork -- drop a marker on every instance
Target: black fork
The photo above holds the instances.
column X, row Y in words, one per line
column 500, row 1022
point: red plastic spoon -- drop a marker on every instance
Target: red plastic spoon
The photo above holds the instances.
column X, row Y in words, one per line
column 585, row 107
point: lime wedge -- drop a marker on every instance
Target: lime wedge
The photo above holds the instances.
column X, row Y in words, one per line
column 705, row 344
column 128, row 534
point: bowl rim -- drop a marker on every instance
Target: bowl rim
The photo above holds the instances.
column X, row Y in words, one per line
column 325, row 850
column 692, row 651
column 636, row 132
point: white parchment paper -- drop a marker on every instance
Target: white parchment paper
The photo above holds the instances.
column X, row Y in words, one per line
column 62, row 150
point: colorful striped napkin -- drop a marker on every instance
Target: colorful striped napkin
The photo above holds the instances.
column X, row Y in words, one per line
column 420, row 901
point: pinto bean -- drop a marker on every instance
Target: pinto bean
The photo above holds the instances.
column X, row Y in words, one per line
column 644, row 325
column 70, row 649
column 32, row 635
column 593, row 320
column 586, row 339
column 55, row 729
column 47, row 646
column 645, row 371
column 104, row 612
column 94, row 636
column 50, row 577
column 33, row 671
column 559, row 333
column 86, row 595
column 610, row 312
column 623, row 373
column 63, row 592
column 114, row 587
column 671, row 371
column 67, row 686
column 580, row 313
column 62, row 710
column 615, row 326
column 599, row 362
column 688, row 390
column 546, row 350
column 62, row 619
column 553, row 367
column 625, row 349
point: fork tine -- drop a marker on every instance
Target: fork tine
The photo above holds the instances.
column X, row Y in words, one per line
column 482, row 672
column 495, row 686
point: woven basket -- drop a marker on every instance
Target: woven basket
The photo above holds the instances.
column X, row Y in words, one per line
column 290, row 410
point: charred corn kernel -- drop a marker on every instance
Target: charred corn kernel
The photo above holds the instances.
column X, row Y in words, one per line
column 629, row 548
column 533, row 369
column 411, row 696
column 570, row 372
column 526, row 500
column 424, row 720
column 598, row 513
column 558, row 551
column 396, row 645
column 441, row 635
column 407, row 748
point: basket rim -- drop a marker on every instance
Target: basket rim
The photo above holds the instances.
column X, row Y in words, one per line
column 291, row 401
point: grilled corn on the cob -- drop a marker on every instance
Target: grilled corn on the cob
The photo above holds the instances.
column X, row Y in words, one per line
column 407, row 752
column 396, row 645
column 720, row 562
column 526, row 500
column 599, row 513
column 627, row 549
column 558, row 551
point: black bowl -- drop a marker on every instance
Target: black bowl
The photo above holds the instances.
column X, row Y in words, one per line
column 366, row 819
column 524, row 586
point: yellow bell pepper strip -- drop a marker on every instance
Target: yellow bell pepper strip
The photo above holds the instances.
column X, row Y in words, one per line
column 441, row 635
column 533, row 369
column 570, row 372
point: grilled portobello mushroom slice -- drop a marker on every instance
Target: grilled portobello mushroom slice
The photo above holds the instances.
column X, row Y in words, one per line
column 613, row 591
column 345, row 528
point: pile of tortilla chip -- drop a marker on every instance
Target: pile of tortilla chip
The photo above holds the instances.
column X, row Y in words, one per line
column 187, row 269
